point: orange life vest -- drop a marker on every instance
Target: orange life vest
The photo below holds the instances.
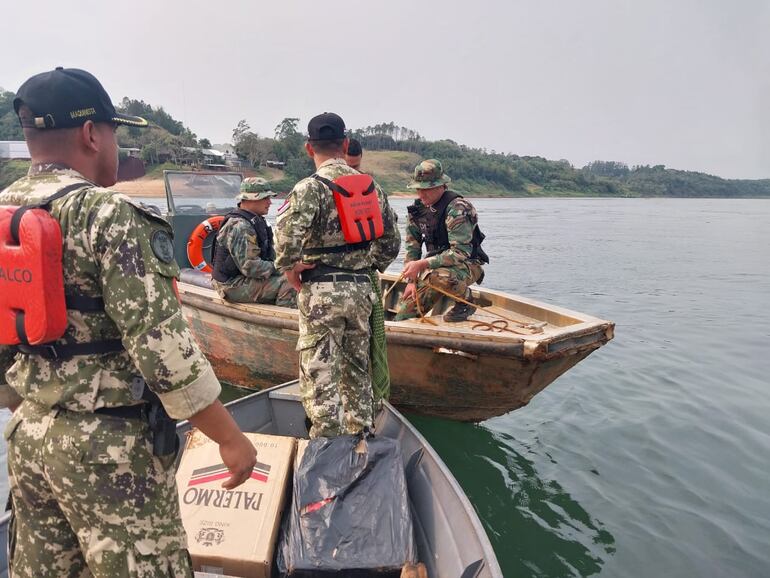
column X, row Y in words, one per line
column 358, row 206
column 33, row 304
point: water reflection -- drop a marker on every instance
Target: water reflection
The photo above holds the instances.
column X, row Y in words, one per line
column 535, row 526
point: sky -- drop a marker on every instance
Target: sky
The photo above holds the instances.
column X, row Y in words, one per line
column 683, row 83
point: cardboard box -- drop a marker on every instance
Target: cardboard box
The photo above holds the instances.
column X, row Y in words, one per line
column 233, row 532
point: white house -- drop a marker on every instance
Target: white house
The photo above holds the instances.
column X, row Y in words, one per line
column 14, row 149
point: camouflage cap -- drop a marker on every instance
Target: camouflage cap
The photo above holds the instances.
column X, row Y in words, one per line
column 428, row 174
column 255, row 189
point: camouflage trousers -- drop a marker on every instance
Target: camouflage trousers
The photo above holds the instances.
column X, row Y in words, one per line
column 454, row 280
column 274, row 291
column 90, row 499
column 333, row 349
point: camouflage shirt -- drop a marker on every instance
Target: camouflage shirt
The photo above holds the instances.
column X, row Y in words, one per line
column 111, row 250
column 461, row 219
column 310, row 220
column 238, row 237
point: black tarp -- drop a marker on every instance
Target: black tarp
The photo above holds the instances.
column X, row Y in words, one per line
column 349, row 511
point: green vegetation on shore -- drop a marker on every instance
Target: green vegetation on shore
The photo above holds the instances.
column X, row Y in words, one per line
column 391, row 152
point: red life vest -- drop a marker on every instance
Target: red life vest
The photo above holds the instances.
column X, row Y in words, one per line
column 358, row 206
column 32, row 304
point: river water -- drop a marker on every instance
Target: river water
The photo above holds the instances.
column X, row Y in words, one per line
column 652, row 456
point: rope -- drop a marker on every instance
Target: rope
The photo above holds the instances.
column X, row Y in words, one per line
column 533, row 328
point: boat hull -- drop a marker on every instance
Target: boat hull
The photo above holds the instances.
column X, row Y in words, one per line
column 447, row 376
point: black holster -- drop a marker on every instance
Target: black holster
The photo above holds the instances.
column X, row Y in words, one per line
column 164, row 439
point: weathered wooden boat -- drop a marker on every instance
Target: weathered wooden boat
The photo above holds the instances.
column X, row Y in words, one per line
column 450, row 539
column 466, row 371
column 495, row 362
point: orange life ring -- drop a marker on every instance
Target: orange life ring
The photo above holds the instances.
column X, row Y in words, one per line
column 198, row 238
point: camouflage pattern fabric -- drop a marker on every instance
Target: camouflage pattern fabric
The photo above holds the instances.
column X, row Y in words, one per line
column 108, row 253
column 333, row 349
column 310, row 220
column 454, row 280
column 87, row 490
column 334, row 327
column 256, row 189
column 259, row 282
column 451, row 270
column 117, row 250
column 428, row 174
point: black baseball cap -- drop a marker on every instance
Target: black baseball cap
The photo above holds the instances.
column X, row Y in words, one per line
column 354, row 148
column 326, row 126
column 66, row 98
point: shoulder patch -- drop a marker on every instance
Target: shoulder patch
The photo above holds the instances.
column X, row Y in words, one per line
column 162, row 246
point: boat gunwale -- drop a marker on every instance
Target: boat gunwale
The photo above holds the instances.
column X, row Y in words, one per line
column 539, row 345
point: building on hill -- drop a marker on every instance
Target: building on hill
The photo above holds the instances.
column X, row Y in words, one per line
column 14, row 149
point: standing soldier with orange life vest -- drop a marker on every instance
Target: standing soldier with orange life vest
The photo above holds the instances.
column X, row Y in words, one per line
column 243, row 255
column 91, row 442
column 336, row 227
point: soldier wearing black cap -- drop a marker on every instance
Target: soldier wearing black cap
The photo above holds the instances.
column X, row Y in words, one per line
column 91, row 479
column 335, row 291
column 354, row 154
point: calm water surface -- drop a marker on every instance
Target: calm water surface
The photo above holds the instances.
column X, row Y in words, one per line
column 652, row 456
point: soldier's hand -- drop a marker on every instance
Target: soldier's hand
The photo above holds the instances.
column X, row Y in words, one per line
column 413, row 269
column 293, row 274
column 409, row 292
column 239, row 456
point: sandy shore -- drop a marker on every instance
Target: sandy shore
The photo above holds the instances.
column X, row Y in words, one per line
column 141, row 188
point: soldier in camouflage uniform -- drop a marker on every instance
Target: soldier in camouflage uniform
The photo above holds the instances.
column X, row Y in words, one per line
column 243, row 269
column 89, row 494
column 335, row 292
column 448, row 226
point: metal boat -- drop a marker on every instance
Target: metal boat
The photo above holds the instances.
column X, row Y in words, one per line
column 450, row 539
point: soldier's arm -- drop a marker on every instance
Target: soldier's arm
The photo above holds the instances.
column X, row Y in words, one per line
column 459, row 226
column 136, row 272
column 243, row 246
column 385, row 249
column 293, row 224
column 413, row 241
column 8, row 396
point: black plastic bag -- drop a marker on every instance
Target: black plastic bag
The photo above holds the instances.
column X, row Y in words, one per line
column 350, row 510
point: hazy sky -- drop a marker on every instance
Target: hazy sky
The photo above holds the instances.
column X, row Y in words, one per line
column 683, row 83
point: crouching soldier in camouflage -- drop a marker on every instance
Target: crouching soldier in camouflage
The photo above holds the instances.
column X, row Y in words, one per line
column 448, row 226
column 90, row 449
column 244, row 253
column 335, row 290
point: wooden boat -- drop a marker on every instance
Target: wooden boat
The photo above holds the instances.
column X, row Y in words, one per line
column 496, row 362
column 450, row 538
column 489, row 365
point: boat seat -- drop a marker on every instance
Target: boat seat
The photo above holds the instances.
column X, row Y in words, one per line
column 194, row 277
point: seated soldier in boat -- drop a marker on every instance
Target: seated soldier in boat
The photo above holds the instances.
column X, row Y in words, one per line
column 243, row 269
column 448, row 226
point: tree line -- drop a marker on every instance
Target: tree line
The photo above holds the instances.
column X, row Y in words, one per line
column 475, row 170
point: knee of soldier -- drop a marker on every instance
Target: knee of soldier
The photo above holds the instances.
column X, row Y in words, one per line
column 444, row 278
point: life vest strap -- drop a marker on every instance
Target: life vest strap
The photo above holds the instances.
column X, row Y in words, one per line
column 83, row 303
column 66, row 351
column 19, row 213
column 341, row 190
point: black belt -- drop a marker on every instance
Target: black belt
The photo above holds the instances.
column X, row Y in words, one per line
column 124, row 411
column 337, row 277
column 326, row 273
